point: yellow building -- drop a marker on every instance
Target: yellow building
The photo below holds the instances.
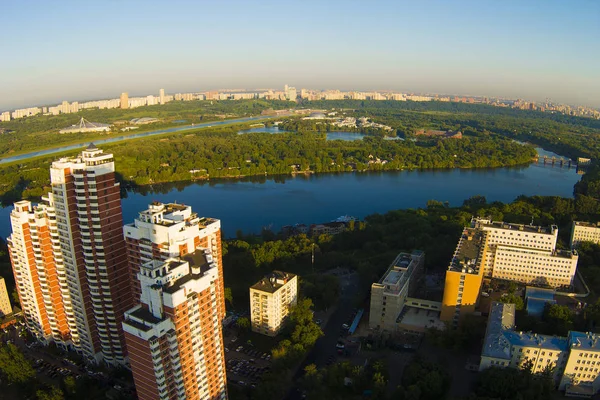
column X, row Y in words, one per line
column 5, row 307
column 270, row 301
column 464, row 276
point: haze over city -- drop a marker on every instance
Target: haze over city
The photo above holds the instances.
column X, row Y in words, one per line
column 74, row 51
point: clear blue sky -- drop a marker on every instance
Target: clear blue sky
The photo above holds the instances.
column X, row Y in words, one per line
column 77, row 50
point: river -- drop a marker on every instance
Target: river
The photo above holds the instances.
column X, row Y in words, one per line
column 253, row 203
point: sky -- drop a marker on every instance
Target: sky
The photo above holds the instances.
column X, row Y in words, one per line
column 84, row 50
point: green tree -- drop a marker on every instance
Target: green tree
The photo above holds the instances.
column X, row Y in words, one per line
column 243, row 323
column 228, row 295
column 14, row 365
column 53, row 393
column 511, row 298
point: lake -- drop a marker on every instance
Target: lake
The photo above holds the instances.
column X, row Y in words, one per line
column 253, row 203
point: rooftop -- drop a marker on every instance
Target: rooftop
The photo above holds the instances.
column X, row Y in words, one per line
column 418, row 317
column 273, row 281
column 502, row 317
column 466, row 255
column 400, row 271
column 529, row 339
column 144, row 315
column 587, row 224
column 515, row 227
column 584, row 340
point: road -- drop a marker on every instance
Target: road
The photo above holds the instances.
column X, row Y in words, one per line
column 325, row 346
column 26, row 156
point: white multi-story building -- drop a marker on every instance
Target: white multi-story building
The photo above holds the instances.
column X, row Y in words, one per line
column 69, row 258
column 526, row 254
column 174, row 336
column 574, row 360
column 26, row 112
column 388, row 296
column 5, row 307
column 584, row 232
column 5, row 116
column 270, row 301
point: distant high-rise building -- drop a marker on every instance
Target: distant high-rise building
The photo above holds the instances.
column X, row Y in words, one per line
column 162, row 96
column 270, row 301
column 69, row 260
column 5, row 307
column 124, row 100
column 174, row 336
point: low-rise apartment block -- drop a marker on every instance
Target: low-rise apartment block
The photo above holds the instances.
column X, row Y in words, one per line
column 388, row 296
column 574, row 360
column 584, row 232
column 270, row 301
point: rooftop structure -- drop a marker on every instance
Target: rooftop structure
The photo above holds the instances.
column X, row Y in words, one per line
column 86, row 126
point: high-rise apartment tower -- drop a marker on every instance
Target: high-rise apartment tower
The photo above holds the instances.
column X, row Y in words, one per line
column 69, row 259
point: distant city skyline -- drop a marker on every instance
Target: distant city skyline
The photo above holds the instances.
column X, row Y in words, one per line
column 74, row 51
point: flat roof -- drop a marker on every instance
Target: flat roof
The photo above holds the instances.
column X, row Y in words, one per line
column 501, row 318
column 269, row 282
column 584, row 340
column 467, row 251
column 516, row 227
column 586, row 224
column 529, row 339
column 419, row 317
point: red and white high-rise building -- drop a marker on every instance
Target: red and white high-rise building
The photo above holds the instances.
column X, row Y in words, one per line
column 172, row 230
column 69, row 256
column 174, row 336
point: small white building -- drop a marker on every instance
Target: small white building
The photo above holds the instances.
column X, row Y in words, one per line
column 270, row 301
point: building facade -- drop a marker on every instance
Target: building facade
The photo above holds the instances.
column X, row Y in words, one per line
column 124, row 100
column 584, row 232
column 5, row 307
column 172, row 230
column 270, row 302
column 574, row 360
column 174, row 335
column 464, row 276
column 526, row 254
column 34, row 248
column 388, row 295
column 70, row 253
